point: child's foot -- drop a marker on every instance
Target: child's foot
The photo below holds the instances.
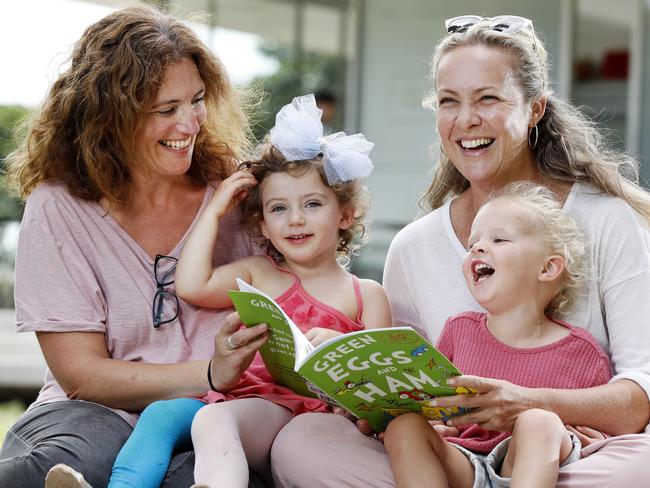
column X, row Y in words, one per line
column 62, row 476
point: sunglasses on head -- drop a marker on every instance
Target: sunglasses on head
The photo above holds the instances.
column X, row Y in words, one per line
column 508, row 24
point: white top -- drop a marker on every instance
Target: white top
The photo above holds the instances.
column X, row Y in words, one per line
column 424, row 280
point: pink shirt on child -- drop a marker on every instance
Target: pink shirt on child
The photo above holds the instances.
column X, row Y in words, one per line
column 77, row 270
column 575, row 361
column 306, row 312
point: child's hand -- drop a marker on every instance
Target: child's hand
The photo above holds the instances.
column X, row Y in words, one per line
column 318, row 335
column 587, row 435
column 345, row 413
column 231, row 192
column 442, row 429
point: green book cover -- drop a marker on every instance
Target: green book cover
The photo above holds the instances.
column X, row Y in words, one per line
column 376, row 374
column 286, row 340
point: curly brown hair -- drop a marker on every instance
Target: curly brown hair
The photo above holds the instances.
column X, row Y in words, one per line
column 351, row 194
column 84, row 132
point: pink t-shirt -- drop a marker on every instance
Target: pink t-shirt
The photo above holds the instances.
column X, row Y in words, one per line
column 575, row 361
column 77, row 270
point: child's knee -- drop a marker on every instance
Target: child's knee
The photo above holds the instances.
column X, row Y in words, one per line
column 401, row 429
column 539, row 421
column 213, row 415
column 215, row 426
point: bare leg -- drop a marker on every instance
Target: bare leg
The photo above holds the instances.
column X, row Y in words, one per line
column 230, row 436
column 539, row 444
column 420, row 457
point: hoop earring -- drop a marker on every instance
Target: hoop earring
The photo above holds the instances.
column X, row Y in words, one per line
column 532, row 145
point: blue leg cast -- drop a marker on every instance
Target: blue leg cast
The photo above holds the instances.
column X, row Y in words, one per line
column 144, row 458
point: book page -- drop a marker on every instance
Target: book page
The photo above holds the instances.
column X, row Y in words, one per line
column 378, row 374
column 278, row 352
column 302, row 346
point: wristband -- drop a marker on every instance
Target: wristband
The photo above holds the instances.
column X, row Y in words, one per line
column 210, row 376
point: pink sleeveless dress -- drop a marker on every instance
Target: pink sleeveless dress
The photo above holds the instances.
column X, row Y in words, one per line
column 306, row 312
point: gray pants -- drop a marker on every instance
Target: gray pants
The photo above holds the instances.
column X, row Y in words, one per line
column 86, row 437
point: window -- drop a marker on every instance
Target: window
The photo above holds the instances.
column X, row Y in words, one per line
column 605, row 77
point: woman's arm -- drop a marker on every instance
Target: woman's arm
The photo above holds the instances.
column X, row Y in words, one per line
column 600, row 407
column 499, row 402
column 196, row 280
column 80, row 363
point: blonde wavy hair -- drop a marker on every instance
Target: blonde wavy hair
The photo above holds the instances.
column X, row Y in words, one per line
column 351, row 194
column 570, row 147
column 560, row 234
column 84, row 133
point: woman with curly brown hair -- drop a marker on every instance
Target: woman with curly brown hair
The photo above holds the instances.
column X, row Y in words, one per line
column 121, row 158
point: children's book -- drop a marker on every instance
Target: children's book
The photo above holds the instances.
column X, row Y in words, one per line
column 376, row 374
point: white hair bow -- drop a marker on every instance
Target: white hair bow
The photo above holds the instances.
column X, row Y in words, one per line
column 298, row 134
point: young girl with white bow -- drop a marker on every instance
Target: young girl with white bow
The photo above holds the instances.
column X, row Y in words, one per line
column 304, row 200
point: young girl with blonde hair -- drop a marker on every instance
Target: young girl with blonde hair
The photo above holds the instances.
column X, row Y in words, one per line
column 524, row 265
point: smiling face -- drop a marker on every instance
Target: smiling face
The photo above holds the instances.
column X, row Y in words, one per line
column 506, row 256
column 302, row 217
column 165, row 140
column 482, row 117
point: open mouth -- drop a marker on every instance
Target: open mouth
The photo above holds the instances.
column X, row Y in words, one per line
column 481, row 271
column 175, row 144
column 476, row 144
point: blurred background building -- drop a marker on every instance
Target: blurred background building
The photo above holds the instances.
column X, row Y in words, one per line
column 373, row 56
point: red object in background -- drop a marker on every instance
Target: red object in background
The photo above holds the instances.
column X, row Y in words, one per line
column 585, row 69
column 615, row 65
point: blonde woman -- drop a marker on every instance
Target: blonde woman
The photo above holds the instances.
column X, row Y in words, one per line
column 499, row 122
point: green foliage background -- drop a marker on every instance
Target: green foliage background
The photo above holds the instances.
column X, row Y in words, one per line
column 10, row 116
column 299, row 73
column 11, row 208
column 9, row 412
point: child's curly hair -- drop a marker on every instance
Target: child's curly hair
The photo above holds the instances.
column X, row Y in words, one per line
column 560, row 233
column 350, row 194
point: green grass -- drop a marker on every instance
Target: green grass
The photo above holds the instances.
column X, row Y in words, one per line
column 9, row 412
